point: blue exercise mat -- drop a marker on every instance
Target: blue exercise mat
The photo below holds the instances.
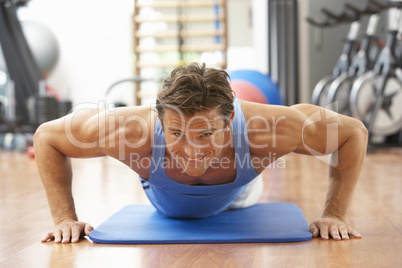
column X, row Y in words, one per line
column 262, row 223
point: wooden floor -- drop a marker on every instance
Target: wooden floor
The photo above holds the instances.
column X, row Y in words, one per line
column 103, row 186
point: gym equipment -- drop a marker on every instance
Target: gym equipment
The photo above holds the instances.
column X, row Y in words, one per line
column 192, row 29
column 262, row 223
column 24, row 100
column 21, row 65
column 371, row 91
column 339, row 89
column 46, row 109
column 320, row 91
column 376, row 96
column 263, row 83
column 43, row 44
column 64, row 107
column 137, row 80
column 3, row 92
column 246, row 91
column 31, row 152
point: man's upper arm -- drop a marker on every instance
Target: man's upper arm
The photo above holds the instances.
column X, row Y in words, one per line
column 302, row 128
column 272, row 128
column 73, row 135
column 91, row 133
column 323, row 131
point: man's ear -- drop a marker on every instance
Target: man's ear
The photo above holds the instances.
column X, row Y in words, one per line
column 229, row 124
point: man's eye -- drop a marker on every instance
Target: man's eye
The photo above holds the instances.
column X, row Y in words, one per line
column 177, row 134
column 206, row 135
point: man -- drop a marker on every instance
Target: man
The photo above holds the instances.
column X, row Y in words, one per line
column 199, row 151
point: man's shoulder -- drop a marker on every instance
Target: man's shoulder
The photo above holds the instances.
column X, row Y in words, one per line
column 262, row 116
column 269, row 127
column 133, row 112
column 133, row 117
column 130, row 129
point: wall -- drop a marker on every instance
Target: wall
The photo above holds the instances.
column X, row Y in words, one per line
column 95, row 38
column 240, row 39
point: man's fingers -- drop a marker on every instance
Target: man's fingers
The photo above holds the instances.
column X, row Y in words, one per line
column 355, row 234
column 344, row 233
column 314, row 230
column 47, row 237
column 57, row 236
column 75, row 233
column 324, row 232
column 334, row 231
column 330, row 227
column 63, row 237
column 68, row 231
column 66, row 235
column 88, row 229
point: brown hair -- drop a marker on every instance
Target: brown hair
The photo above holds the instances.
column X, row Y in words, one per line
column 193, row 88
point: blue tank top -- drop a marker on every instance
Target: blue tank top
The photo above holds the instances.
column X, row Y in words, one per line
column 177, row 200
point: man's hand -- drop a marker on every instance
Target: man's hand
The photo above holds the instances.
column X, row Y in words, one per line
column 68, row 231
column 338, row 229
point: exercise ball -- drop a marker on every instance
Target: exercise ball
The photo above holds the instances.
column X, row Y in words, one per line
column 262, row 82
column 246, row 91
column 43, row 44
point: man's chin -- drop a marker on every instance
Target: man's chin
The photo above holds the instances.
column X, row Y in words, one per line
column 194, row 172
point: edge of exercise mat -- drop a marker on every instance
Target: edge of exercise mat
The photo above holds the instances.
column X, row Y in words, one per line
column 98, row 235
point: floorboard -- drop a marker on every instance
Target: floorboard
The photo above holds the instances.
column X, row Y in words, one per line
column 103, row 186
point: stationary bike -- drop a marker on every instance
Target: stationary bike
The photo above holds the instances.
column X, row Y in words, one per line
column 320, row 91
column 339, row 90
column 376, row 96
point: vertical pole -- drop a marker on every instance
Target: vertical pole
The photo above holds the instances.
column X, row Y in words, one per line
column 225, row 34
column 269, row 47
column 137, row 69
column 295, row 64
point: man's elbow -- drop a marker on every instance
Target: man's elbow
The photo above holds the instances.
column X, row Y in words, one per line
column 360, row 131
column 42, row 133
column 39, row 131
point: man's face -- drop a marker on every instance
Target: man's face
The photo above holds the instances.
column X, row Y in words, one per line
column 195, row 141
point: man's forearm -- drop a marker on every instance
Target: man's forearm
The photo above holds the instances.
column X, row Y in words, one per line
column 344, row 171
column 59, row 193
column 55, row 172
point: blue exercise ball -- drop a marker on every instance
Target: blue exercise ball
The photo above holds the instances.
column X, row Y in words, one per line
column 263, row 82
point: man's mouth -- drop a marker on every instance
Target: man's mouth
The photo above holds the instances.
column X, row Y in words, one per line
column 195, row 159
